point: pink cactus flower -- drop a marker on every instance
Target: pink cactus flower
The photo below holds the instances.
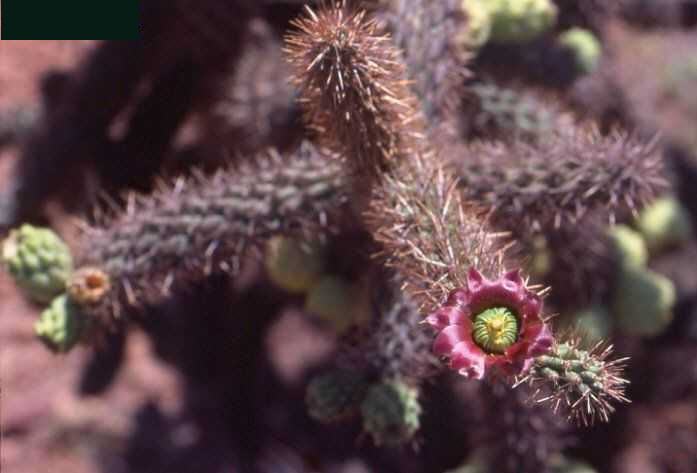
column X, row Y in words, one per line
column 491, row 324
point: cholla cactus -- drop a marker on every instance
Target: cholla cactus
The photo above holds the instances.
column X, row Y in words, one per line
column 584, row 382
column 353, row 86
column 541, row 186
column 203, row 225
column 62, row 325
column 391, row 412
column 38, row 260
column 520, row 20
column 584, row 47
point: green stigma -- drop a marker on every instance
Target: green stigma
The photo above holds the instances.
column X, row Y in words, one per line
column 495, row 329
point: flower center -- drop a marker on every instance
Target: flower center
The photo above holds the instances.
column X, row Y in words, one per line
column 495, row 329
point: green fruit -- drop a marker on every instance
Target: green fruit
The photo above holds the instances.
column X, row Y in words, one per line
column 629, row 246
column 643, row 302
column 584, row 47
column 664, row 223
column 334, row 395
column 478, row 28
column 38, row 260
column 520, row 20
column 61, row 325
column 334, row 301
column 391, row 412
column 291, row 265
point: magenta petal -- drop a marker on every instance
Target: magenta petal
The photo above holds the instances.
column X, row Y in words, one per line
column 470, row 362
column 475, row 279
column 439, row 319
column 514, row 277
column 540, row 340
column 446, row 341
column 458, row 297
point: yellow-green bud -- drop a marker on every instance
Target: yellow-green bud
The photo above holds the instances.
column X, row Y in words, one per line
column 520, row 20
column 334, row 301
column 292, row 265
column 665, row 223
column 629, row 246
column 584, row 47
column 61, row 325
column 478, row 27
column 38, row 260
column 643, row 302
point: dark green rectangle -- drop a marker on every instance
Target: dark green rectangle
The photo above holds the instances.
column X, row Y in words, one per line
column 70, row 19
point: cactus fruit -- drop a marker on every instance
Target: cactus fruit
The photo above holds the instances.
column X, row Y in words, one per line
column 391, row 412
column 584, row 47
column 665, row 223
column 38, row 260
column 61, row 325
column 643, row 301
column 292, row 265
column 334, row 395
column 629, row 246
column 333, row 300
column 582, row 381
column 478, row 26
column 520, row 20
column 203, row 225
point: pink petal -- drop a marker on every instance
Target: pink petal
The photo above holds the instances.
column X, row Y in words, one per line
column 540, row 340
column 475, row 280
column 446, row 341
column 468, row 360
column 513, row 280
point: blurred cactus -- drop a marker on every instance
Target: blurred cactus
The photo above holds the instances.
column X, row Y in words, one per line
column 629, row 246
column 507, row 114
column 391, row 411
column 88, row 285
column 61, row 325
column 665, row 223
column 335, row 395
column 643, row 301
column 293, row 265
column 520, row 20
column 593, row 323
column 584, row 47
column 334, row 301
column 38, row 260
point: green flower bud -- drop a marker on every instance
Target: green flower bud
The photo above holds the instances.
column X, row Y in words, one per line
column 391, row 412
column 334, row 395
column 629, row 246
column 520, row 20
column 38, row 260
column 643, row 302
column 664, row 223
column 61, row 325
column 584, row 46
column 291, row 265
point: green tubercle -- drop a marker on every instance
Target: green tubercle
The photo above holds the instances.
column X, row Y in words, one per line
column 665, row 223
column 38, row 261
column 630, row 247
column 391, row 412
column 495, row 329
column 520, row 20
column 61, row 325
column 584, row 47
